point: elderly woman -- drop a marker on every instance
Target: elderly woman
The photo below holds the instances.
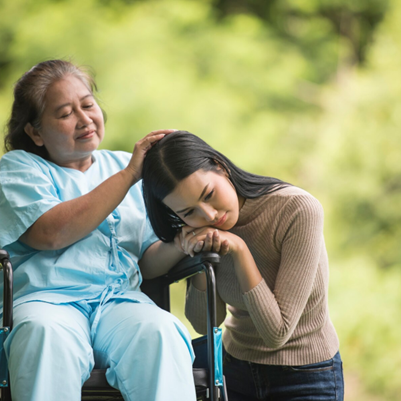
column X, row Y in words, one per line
column 74, row 222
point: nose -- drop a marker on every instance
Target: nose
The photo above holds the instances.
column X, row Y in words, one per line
column 83, row 119
column 209, row 212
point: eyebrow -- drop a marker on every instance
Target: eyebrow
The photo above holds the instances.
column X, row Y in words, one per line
column 201, row 196
column 67, row 104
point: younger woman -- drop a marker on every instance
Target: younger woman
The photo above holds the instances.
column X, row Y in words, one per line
column 280, row 342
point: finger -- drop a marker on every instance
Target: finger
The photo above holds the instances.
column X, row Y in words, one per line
column 190, row 232
column 199, row 246
column 189, row 235
column 216, row 241
column 192, row 245
column 156, row 136
column 146, row 143
column 189, row 245
column 186, row 244
column 162, row 131
column 184, row 236
column 208, row 242
column 152, row 138
column 225, row 248
column 181, row 238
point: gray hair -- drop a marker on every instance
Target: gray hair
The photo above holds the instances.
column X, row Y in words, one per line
column 29, row 101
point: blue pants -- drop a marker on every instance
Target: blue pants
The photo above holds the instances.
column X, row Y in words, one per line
column 247, row 381
column 147, row 352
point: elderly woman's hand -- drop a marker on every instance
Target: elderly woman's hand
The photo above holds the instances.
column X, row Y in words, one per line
column 141, row 148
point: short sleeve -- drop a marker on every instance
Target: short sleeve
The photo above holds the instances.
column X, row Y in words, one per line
column 27, row 191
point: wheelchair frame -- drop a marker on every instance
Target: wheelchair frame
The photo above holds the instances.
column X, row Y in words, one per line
column 158, row 290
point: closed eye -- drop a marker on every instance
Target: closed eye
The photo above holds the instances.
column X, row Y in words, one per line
column 188, row 213
column 66, row 115
column 88, row 106
column 209, row 195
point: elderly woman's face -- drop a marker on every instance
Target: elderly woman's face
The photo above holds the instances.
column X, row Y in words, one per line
column 72, row 125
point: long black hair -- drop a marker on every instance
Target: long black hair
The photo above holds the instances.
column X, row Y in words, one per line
column 176, row 157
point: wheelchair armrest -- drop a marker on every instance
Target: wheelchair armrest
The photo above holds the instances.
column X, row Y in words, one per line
column 191, row 265
column 158, row 288
column 8, row 289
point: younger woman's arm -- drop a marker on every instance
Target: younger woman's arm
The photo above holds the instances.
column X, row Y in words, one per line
column 223, row 242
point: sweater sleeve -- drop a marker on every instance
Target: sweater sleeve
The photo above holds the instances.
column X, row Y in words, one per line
column 276, row 313
column 196, row 309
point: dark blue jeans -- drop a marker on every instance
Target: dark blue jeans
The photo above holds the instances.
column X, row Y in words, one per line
column 247, row 381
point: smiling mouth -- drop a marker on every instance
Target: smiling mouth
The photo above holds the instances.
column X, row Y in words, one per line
column 86, row 135
column 221, row 220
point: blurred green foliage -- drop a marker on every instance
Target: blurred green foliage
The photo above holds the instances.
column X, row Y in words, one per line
column 307, row 91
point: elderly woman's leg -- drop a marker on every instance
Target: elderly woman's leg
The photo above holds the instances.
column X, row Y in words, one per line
column 147, row 352
column 49, row 352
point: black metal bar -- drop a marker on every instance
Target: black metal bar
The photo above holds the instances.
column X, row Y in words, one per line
column 211, row 324
column 191, row 265
column 8, row 292
column 203, row 262
column 5, row 394
column 7, row 305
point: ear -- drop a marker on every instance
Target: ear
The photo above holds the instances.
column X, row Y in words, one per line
column 221, row 167
column 34, row 134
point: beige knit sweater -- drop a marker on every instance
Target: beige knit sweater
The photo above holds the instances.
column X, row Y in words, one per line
column 284, row 320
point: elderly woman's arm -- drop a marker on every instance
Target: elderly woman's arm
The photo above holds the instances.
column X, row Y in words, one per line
column 72, row 220
column 159, row 258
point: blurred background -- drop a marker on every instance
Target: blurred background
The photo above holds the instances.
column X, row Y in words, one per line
column 307, row 91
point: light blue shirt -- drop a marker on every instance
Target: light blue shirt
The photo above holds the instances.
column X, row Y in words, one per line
column 100, row 266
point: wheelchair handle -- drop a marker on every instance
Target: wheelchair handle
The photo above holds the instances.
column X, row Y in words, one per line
column 8, row 289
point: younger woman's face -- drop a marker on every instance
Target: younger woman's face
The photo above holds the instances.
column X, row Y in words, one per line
column 205, row 198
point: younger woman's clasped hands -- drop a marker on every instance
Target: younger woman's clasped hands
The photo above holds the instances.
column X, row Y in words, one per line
column 193, row 240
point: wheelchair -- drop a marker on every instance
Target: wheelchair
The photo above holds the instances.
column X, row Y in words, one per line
column 207, row 368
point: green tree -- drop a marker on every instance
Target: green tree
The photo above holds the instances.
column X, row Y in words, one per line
column 306, row 91
column 359, row 179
